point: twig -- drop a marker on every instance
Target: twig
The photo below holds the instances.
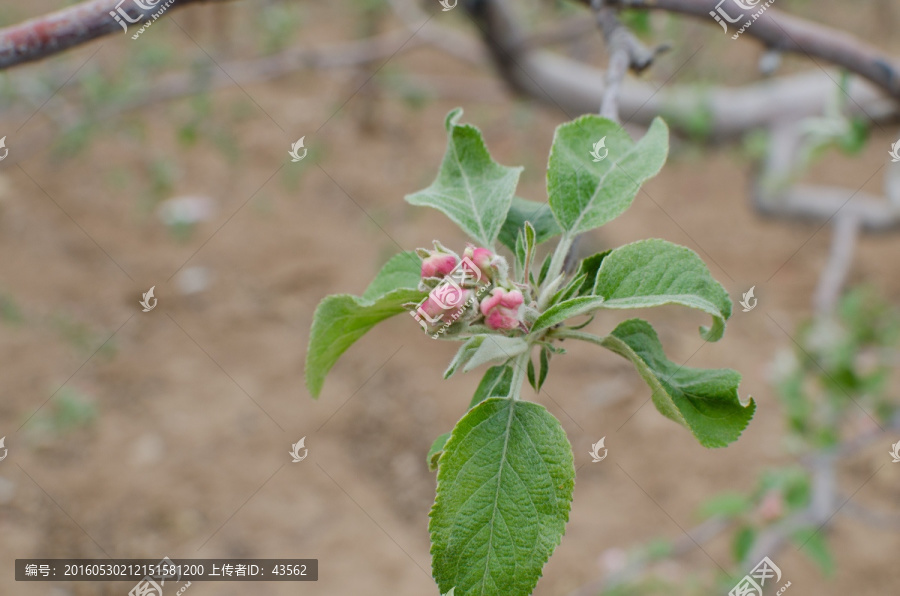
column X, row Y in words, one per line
column 868, row 212
column 840, row 258
column 625, row 51
column 792, row 34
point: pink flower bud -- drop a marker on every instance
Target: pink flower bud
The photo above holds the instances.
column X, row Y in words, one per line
column 772, row 506
column 501, row 308
column 482, row 257
column 438, row 264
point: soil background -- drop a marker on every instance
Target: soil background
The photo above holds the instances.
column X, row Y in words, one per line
column 144, row 435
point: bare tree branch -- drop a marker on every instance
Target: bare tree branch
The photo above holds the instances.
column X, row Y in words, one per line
column 64, row 29
column 840, row 258
column 787, row 33
column 625, row 51
column 574, row 87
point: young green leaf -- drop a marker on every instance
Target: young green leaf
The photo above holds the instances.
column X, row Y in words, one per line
column 530, row 238
column 566, row 310
column 743, row 541
column 482, row 349
column 530, row 373
column 545, row 368
column 521, row 253
column 434, row 453
column 726, row 505
column 505, row 485
column 585, row 194
column 570, row 290
column 463, row 354
column 496, row 382
column 471, row 188
column 342, row 319
column 655, row 272
column 545, row 268
column 495, row 348
column 815, row 546
column 704, row 400
column 403, row 270
column 522, row 210
column 589, row 267
column 339, row 321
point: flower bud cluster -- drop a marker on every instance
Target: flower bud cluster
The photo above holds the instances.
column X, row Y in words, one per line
column 469, row 290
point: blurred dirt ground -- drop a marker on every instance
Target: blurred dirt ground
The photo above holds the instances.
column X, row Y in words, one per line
column 167, row 433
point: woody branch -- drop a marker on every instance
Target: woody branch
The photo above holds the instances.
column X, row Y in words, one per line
column 64, row 29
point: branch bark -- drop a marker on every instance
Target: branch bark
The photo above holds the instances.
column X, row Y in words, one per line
column 574, row 87
column 59, row 31
column 787, row 33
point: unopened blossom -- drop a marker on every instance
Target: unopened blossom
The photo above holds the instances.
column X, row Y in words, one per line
column 483, row 258
column 501, row 309
column 438, row 264
column 772, row 506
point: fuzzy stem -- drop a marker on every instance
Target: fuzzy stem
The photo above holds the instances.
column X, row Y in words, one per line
column 520, row 365
column 573, row 334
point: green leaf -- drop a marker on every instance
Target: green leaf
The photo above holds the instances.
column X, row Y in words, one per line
column 403, row 270
column 545, row 268
column 530, row 242
column 522, row 210
column 521, row 253
column 570, row 290
column 545, row 368
column 530, row 372
column 504, row 491
column 585, row 194
column 471, row 188
column 482, row 349
column 589, row 267
column 704, row 400
column 566, row 310
column 496, row 382
column 463, row 354
column 494, row 348
column 743, row 542
column 437, row 448
column 655, row 272
column 340, row 320
column 726, row 505
column 813, row 543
